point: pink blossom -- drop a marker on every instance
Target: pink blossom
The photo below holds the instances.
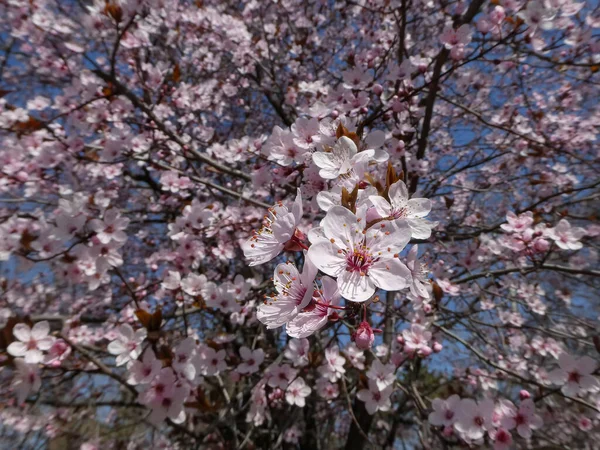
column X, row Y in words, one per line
column 315, row 315
column 475, row 418
column 361, row 259
column 416, row 340
column 144, row 371
column 341, row 159
column 297, row 351
column 111, row 227
column 296, row 392
column 400, row 206
column 252, row 359
column 445, row 412
column 523, row 419
column 280, row 376
column 128, row 344
column 565, row 236
column 294, row 292
column 279, row 227
column 27, row 379
column 383, row 375
column 31, row 342
column 375, row 399
column 575, row 375
column 501, row 438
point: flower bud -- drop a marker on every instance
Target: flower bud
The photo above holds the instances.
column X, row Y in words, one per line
column 377, row 89
column 524, row 395
column 364, row 336
column 437, row 347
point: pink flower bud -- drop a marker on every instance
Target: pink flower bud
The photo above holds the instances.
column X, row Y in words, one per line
column 377, row 89
column 364, row 336
column 424, row 352
column 437, row 347
column 524, row 395
column 541, row 245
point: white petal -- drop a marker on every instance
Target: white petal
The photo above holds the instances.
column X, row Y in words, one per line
column 116, row 348
column 40, row 330
column 17, row 348
column 326, row 258
column 355, row 287
column 22, row 332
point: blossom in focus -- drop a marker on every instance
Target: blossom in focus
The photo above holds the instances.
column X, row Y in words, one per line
column 361, row 259
column 294, row 292
column 315, row 315
column 279, row 228
column 341, row 159
column 400, row 206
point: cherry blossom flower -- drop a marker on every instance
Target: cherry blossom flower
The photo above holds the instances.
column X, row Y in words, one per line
column 456, row 40
column 375, row 399
column 193, row 284
column 294, row 292
column 341, row 159
column 333, row 366
column 297, row 392
column 416, row 340
column 315, row 315
column 517, row 224
column 382, row 374
column 400, row 206
column 297, row 352
column 355, row 356
column 31, row 342
column 306, row 133
column 127, row 346
column 327, row 389
column 279, row 228
column 280, row 376
column 59, row 351
column 523, row 419
column 144, row 371
column 210, row 362
column 111, row 227
column 27, row 379
column 361, row 259
column 281, row 147
column 252, row 359
column 538, row 15
column 565, row 236
column 292, row 435
column 172, row 281
column 445, row 412
column 575, row 375
column 501, row 438
column 183, row 356
column 475, row 418
column 165, row 397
